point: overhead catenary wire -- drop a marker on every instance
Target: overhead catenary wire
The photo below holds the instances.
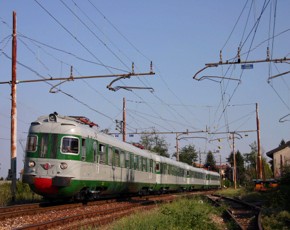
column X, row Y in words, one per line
column 156, row 67
column 61, row 50
column 70, row 54
column 58, row 22
column 70, row 33
column 61, row 91
column 242, row 43
column 73, row 96
column 95, row 35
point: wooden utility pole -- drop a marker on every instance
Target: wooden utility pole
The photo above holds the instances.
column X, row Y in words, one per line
column 13, row 112
column 124, row 119
column 259, row 155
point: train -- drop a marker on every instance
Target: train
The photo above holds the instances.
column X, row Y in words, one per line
column 68, row 157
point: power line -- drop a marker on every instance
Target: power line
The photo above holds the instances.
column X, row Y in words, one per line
column 72, row 54
column 164, row 82
column 100, row 40
column 70, row 33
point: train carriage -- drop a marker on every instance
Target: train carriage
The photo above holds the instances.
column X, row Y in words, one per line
column 66, row 156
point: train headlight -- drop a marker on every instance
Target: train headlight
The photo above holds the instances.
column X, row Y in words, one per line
column 52, row 117
column 63, row 165
column 31, row 164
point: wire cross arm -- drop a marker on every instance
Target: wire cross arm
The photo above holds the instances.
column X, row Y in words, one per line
column 201, row 70
column 282, row 119
column 127, row 76
column 212, row 78
column 53, row 90
column 278, row 75
column 130, row 88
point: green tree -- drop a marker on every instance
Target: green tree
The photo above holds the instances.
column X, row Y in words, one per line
column 155, row 143
column 188, row 154
column 210, row 161
column 282, row 143
column 241, row 171
column 251, row 162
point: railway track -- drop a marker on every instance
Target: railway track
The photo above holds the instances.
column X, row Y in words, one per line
column 245, row 215
column 74, row 216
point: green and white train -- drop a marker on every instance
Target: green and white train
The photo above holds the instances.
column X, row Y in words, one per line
column 67, row 157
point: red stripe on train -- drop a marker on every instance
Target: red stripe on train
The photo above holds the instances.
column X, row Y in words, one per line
column 44, row 185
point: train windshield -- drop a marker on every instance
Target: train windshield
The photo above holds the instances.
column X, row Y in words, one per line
column 31, row 143
column 70, row 145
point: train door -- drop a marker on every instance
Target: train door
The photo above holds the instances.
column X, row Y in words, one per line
column 122, row 165
column 96, row 157
column 129, row 166
column 157, row 172
column 150, row 164
column 165, row 172
column 206, row 179
column 131, row 171
column 83, row 149
column 116, row 166
column 187, row 177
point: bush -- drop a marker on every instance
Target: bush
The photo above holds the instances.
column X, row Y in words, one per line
column 277, row 221
column 23, row 194
column 182, row 214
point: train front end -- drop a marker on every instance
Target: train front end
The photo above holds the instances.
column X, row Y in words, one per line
column 52, row 156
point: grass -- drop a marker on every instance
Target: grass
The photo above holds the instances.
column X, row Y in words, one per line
column 23, row 194
column 183, row 214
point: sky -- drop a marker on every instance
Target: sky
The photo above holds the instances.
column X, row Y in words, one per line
column 179, row 37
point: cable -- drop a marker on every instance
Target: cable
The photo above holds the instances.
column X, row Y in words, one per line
column 84, row 24
column 71, row 54
column 70, row 33
column 61, row 91
column 105, row 18
column 235, row 25
column 129, row 42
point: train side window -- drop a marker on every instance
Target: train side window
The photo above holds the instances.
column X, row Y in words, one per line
column 166, row 169
column 151, row 165
column 31, row 145
column 148, row 165
column 144, row 164
column 54, row 146
column 135, row 162
column 122, row 159
column 169, row 169
column 180, row 172
column 157, row 167
column 140, row 163
column 127, row 160
column 117, row 158
column 110, row 155
column 70, row 145
column 131, row 161
column 175, row 171
column 102, row 152
column 43, row 145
